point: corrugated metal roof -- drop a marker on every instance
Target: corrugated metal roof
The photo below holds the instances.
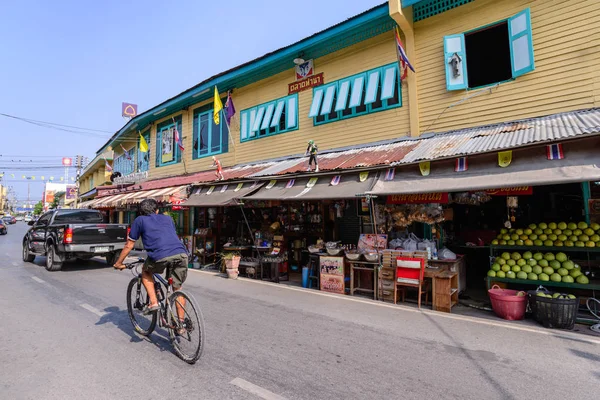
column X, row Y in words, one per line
column 456, row 143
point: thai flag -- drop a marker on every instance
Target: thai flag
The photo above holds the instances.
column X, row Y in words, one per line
column 555, row 151
column 125, row 152
column 402, row 57
column 290, row 183
column 461, row 164
column 107, row 166
column 389, row 175
column 177, row 137
column 335, row 180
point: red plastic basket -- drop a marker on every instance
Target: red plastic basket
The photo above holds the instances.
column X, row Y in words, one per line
column 507, row 304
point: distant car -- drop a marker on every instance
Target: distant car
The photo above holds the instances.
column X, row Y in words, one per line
column 9, row 220
column 28, row 218
column 19, row 218
column 3, row 230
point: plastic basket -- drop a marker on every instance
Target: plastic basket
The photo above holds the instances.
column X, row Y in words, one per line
column 555, row 313
column 506, row 304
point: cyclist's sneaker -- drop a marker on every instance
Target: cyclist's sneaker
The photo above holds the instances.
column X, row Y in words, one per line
column 150, row 309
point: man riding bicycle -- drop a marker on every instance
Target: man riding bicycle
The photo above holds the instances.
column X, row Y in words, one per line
column 163, row 247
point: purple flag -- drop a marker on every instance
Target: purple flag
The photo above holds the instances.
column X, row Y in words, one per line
column 229, row 109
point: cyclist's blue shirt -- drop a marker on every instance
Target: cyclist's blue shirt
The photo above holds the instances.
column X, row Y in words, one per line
column 158, row 236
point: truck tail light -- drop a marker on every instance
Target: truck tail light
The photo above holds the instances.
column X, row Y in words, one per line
column 128, row 230
column 68, row 238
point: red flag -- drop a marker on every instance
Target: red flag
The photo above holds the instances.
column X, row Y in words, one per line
column 177, row 137
column 402, row 57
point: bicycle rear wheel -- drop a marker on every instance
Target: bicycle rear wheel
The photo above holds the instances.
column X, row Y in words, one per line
column 188, row 336
column 137, row 299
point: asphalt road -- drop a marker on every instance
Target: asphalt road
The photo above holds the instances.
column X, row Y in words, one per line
column 66, row 335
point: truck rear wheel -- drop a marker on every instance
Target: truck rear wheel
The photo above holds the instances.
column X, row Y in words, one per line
column 111, row 258
column 53, row 260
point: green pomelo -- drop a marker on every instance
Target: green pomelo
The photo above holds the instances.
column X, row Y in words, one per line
column 505, row 255
column 547, row 270
column 549, row 257
column 582, row 225
column 572, row 225
column 582, row 279
column 555, row 277
column 527, row 268
column 501, row 274
column 522, row 262
column 575, row 273
column 562, row 257
column 568, row 279
column 568, row 265
column 527, row 255
column 511, row 262
column 537, row 270
column 543, row 263
column 512, row 275
column 532, row 277
column 505, row 268
column 522, row 275
column 491, row 272
column 544, row 277
column 532, row 262
column 516, row 268
column 500, row 260
column 538, row 256
column 554, row 264
column 543, row 225
column 562, row 272
column 562, row 225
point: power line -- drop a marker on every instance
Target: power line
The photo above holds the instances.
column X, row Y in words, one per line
column 61, row 127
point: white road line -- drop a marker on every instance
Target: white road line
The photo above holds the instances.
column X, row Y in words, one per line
column 15, row 264
column 93, row 310
column 38, row 280
column 257, row 390
column 562, row 335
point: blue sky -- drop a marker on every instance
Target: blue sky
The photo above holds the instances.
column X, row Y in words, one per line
column 74, row 62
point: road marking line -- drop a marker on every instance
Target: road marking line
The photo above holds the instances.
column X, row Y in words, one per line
column 257, row 390
column 38, row 280
column 93, row 310
column 562, row 335
column 15, row 264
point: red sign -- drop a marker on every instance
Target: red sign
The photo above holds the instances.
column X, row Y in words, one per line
column 307, row 83
column 512, row 191
column 67, row 162
column 421, row 198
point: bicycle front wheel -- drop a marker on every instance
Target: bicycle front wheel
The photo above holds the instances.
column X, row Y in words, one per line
column 137, row 299
column 187, row 334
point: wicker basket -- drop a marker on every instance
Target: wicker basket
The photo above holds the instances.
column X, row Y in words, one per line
column 554, row 313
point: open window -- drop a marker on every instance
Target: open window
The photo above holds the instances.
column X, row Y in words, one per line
column 271, row 118
column 489, row 55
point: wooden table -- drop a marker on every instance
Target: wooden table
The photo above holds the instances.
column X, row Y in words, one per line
column 444, row 288
column 370, row 266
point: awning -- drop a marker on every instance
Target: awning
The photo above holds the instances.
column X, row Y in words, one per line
column 529, row 167
column 317, row 188
column 109, row 201
column 220, row 195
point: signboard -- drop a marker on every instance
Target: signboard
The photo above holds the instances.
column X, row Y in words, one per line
column 24, row 209
column 128, row 110
column 71, row 192
column 512, row 191
column 67, row 161
column 306, row 83
column 131, row 178
column 332, row 274
column 49, row 196
column 367, row 241
column 304, row 70
column 421, row 198
column 168, row 148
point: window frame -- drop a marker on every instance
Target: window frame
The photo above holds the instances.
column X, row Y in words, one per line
column 362, row 108
column 248, row 119
column 140, row 154
column 166, row 125
column 121, row 163
column 224, row 134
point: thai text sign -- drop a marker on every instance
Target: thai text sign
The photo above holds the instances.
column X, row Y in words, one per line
column 131, row 178
column 306, row 83
column 511, row 191
column 420, row 198
column 332, row 274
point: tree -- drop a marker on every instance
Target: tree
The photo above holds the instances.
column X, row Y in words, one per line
column 38, row 208
column 56, row 201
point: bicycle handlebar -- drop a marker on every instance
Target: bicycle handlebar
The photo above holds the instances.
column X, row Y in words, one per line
column 133, row 264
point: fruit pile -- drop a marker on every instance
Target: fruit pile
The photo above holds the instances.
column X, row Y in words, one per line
column 560, row 296
column 551, row 235
column 537, row 267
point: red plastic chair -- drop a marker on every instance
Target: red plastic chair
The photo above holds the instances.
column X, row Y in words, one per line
column 410, row 272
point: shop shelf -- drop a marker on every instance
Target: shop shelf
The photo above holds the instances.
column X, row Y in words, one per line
column 547, row 249
column 591, row 286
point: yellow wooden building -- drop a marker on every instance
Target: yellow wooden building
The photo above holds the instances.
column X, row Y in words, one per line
column 477, row 62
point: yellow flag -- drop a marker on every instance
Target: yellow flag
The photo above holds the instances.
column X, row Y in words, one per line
column 425, row 168
column 218, row 107
column 43, row 177
column 143, row 144
column 504, row 158
column 33, row 178
column 363, row 176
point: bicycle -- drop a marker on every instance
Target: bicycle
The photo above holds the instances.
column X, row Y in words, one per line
column 179, row 313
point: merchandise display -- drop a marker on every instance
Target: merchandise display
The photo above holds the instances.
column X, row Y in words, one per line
column 551, row 234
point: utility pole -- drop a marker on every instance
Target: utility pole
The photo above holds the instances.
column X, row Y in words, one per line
column 78, row 164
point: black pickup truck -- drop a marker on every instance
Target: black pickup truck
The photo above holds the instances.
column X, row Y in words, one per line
column 63, row 235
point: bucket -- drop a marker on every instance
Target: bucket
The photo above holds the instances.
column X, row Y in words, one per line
column 305, row 277
column 506, row 304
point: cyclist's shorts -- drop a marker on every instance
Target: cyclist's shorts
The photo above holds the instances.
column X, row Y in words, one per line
column 177, row 264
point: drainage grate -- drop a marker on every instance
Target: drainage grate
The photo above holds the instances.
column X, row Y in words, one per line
column 430, row 8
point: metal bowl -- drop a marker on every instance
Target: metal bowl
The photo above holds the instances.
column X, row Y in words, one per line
column 371, row 257
column 353, row 256
column 334, row 252
column 314, row 249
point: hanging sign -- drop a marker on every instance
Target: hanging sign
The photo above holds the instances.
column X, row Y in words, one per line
column 290, row 183
column 425, row 168
column 167, row 148
column 390, row 174
column 224, row 188
column 504, row 158
column 306, row 83
column 512, row 191
column 239, row 186
column 363, row 176
column 312, row 182
column 210, row 190
column 420, row 198
column 335, row 180
column 332, row 274
column 271, row 184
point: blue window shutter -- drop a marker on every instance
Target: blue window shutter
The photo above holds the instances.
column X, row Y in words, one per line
column 316, row 103
column 243, row 125
column 344, row 89
column 277, row 115
column 455, row 44
column 521, row 43
column 389, row 82
column 259, row 116
column 357, row 89
column 328, row 99
column 292, row 112
column 268, row 116
column 372, row 86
